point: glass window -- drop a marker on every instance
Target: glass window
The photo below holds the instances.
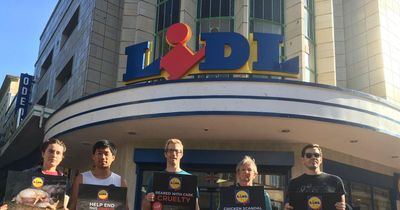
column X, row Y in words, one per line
column 167, row 14
column 215, row 16
column 266, row 16
column 361, row 196
column 381, row 199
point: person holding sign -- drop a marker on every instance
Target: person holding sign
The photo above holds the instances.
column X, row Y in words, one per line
column 173, row 153
column 103, row 155
column 52, row 153
column 246, row 172
column 314, row 180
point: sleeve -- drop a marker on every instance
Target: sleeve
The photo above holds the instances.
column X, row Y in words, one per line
column 267, row 201
column 340, row 186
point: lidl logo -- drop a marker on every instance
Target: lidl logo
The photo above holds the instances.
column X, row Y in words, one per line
column 175, row 183
column 37, row 182
column 242, row 196
column 102, row 195
column 224, row 52
column 314, row 202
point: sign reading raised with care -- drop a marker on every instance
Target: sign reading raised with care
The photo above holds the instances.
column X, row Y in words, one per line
column 224, row 52
column 174, row 191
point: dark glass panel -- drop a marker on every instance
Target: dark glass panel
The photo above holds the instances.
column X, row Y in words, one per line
column 225, row 7
column 215, row 8
column 205, row 8
column 168, row 15
column 258, row 9
column 277, row 11
column 175, row 11
column 160, row 17
column 268, row 10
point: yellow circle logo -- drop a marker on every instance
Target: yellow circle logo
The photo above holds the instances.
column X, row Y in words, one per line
column 175, row 183
column 37, row 182
column 242, row 196
column 314, row 202
column 103, row 195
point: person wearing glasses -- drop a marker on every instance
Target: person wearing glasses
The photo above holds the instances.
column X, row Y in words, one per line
column 246, row 172
column 173, row 153
column 314, row 180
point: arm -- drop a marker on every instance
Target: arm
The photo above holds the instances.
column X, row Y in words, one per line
column 146, row 202
column 341, row 205
column 123, row 184
column 267, row 201
column 75, row 188
column 197, row 204
column 4, row 207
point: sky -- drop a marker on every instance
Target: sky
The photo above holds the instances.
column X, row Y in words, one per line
column 21, row 24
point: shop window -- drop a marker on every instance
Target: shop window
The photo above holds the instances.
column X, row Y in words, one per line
column 46, row 64
column 167, row 14
column 64, row 76
column 381, row 199
column 73, row 22
column 361, row 196
column 266, row 16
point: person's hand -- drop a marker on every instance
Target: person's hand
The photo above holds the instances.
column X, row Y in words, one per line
column 4, row 207
column 150, row 197
column 340, row 205
column 288, row 207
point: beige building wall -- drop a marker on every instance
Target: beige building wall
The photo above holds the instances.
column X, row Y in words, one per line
column 325, row 42
column 358, row 42
column 389, row 20
column 293, row 32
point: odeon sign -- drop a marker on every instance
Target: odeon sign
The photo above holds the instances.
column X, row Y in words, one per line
column 224, row 52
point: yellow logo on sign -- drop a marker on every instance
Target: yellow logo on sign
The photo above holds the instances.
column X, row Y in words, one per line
column 242, row 196
column 175, row 183
column 37, row 182
column 314, row 202
column 103, row 195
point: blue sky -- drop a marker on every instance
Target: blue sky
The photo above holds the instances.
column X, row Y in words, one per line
column 21, row 24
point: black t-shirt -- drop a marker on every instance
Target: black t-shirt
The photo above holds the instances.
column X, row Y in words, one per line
column 321, row 183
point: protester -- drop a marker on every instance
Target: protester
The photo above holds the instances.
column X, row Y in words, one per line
column 246, row 172
column 314, row 180
column 173, row 153
column 103, row 155
column 52, row 154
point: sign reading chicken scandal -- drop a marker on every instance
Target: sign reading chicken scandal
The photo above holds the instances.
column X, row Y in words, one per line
column 224, row 52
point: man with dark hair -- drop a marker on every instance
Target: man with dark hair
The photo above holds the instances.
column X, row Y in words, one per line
column 314, row 180
column 103, row 155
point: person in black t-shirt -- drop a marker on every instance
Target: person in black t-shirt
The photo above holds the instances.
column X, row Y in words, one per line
column 314, row 180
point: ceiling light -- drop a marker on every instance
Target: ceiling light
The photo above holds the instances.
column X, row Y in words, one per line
column 132, row 133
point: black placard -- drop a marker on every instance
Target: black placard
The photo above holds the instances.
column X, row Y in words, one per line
column 174, row 191
column 32, row 190
column 97, row 197
column 242, row 198
column 314, row 201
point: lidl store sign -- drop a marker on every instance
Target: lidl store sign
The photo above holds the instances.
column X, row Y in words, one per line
column 224, row 52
